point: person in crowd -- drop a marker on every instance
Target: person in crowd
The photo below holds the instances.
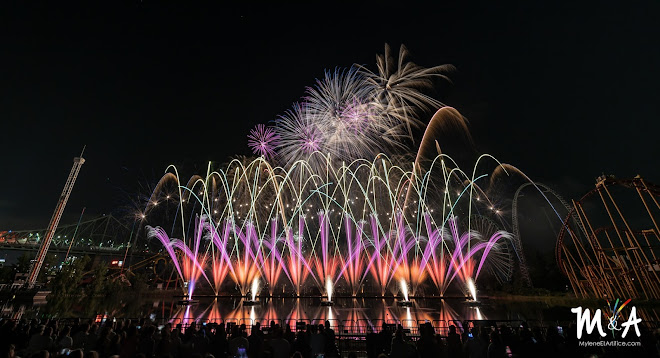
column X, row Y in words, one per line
column 496, row 348
column 384, row 340
column 80, row 338
column 427, row 344
column 289, row 335
column 401, row 348
column 454, row 344
column 316, row 340
column 92, row 338
column 219, row 342
column 130, row 343
column 301, row 344
column 474, row 346
column 256, row 342
column 146, row 341
column 104, row 341
column 238, row 342
column 278, row 346
column 371, row 339
column 330, row 344
column 41, row 340
column 64, row 341
column 164, row 346
column 10, row 352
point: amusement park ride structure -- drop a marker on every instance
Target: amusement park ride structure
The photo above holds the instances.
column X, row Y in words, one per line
column 55, row 219
column 517, row 241
column 606, row 254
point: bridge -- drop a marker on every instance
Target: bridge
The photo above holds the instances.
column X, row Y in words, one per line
column 104, row 234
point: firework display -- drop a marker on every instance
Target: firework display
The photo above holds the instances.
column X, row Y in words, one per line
column 355, row 227
column 324, row 210
column 354, row 113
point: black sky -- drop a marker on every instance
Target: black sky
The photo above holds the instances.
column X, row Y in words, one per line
column 564, row 92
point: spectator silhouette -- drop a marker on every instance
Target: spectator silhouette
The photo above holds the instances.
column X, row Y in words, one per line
column 65, row 341
column 496, row 348
column 279, row 347
column 400, row 347
column 238, row 341
column 454, row 344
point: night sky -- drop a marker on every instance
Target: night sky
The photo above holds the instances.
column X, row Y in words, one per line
column 563, row 92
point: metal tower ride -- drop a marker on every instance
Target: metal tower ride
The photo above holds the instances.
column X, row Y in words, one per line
column 55, row 219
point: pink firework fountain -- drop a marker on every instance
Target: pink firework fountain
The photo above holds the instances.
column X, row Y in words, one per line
column 293, row 232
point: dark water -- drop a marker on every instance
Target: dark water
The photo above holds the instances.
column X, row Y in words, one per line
column 355, row 314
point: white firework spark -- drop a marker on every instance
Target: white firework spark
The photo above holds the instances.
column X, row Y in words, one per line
column 399, row 82
column 342, row 105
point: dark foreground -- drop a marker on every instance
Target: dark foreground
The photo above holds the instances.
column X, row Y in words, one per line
column 140, row 339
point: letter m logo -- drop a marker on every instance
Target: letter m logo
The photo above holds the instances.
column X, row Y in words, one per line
column 584, row 319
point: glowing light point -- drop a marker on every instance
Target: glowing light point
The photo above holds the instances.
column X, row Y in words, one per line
column 254, row 290
column 404, row 291
column 328, row 290
column 472, row 288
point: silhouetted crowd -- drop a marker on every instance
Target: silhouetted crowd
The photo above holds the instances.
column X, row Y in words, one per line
column 125, row 338
column 130, row 339
column 498, row 342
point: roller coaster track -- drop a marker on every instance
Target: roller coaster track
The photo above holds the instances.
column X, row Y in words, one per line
column 604, row 181
column 517, row 242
